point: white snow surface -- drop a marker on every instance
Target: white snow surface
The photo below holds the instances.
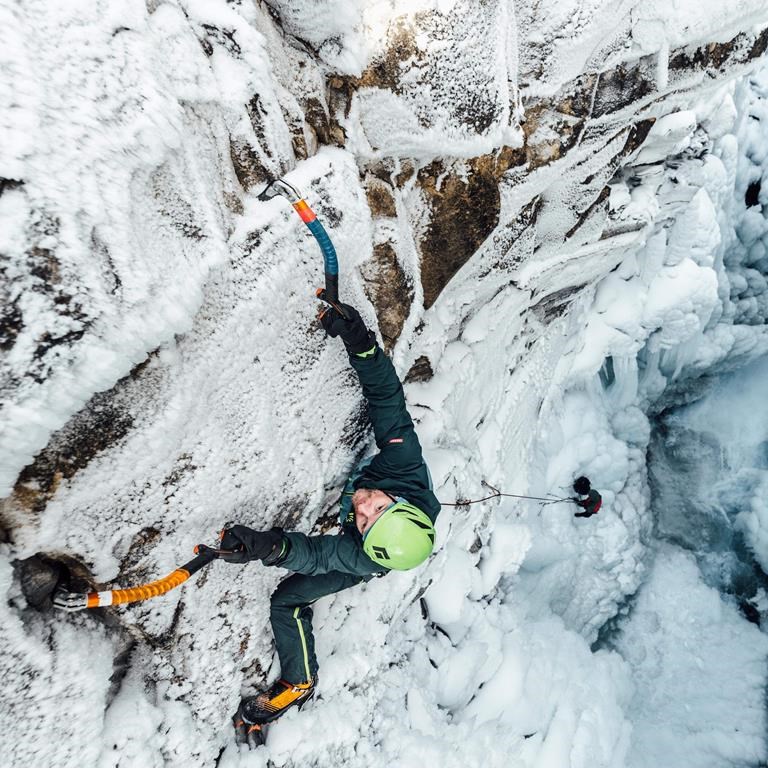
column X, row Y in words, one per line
column 674, row 641
column 116, row 128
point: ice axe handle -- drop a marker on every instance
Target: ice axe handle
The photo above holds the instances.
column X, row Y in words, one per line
column 204, row 552
column 325, row 295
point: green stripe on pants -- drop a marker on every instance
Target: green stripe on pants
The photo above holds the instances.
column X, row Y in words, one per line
column 303, row 645
column 291, row 617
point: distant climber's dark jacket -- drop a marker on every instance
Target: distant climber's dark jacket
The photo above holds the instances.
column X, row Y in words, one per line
column 398, row 468
column 590, row 505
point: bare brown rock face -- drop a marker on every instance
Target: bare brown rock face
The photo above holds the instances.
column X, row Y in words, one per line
column 387, row 71
column 624, row 86
column 390, row 292
column 252, row 160
column 464, row 210
column 100, row 424
column 421, row 370
column 51, row 281
column 248, row 168
column 317, row 120
column 380, row 197
column 717, row 58
column 463, row 201
column 596, row 110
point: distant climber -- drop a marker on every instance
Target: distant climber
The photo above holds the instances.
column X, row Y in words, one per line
column 593, row 501
column 387, row 519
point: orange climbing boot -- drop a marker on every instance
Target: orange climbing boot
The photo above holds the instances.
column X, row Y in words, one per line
column 268, row 706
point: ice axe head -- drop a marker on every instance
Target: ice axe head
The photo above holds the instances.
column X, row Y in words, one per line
column 280, row 187
column 212, row 552
column 71, row 602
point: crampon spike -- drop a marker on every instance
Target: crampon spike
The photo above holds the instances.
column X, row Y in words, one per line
column 248, row 733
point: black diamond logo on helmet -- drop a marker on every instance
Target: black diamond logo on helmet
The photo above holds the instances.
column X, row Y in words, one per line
column 381, row 553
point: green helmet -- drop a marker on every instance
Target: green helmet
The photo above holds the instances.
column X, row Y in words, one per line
column 402, row 538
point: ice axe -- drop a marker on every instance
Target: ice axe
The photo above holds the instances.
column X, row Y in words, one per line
column 80, row 601
column 329, row 294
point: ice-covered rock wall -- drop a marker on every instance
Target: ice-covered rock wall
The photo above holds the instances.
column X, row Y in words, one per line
column 536, row 206
column 675, row 320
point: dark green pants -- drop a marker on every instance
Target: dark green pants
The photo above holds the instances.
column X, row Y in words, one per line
column 291, row 617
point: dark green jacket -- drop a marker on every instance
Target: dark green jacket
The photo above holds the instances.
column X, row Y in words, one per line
column 397, row 468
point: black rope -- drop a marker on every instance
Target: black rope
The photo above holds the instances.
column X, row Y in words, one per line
column 496, row 493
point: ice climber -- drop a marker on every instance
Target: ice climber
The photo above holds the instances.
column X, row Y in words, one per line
column 593, row 501
column 387, row 514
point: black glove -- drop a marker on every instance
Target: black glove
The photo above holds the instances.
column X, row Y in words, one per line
column 356, row 337
column 247, row 544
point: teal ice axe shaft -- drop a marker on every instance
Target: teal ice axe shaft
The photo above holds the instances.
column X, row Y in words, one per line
column 329, row 294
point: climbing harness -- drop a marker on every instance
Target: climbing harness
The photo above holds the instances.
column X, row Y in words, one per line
column 80, row 601
column 329, row 294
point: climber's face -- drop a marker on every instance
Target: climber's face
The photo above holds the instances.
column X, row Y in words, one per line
column 369, row 506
